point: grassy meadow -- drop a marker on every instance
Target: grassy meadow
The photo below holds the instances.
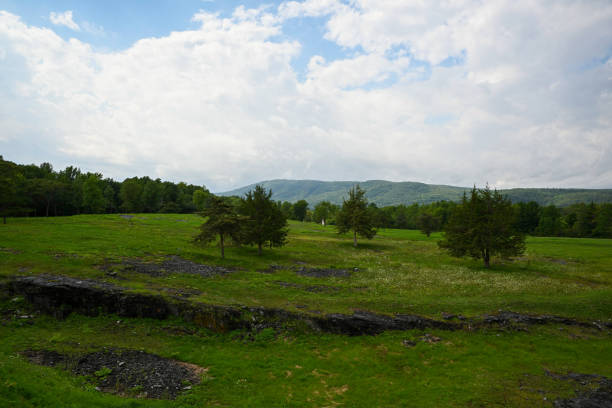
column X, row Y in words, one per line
column 399, row 271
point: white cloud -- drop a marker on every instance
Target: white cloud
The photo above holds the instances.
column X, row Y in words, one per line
column 64, row 19
column 93, row 29
column 308, row 8
column 222, row 105
column 354, row 72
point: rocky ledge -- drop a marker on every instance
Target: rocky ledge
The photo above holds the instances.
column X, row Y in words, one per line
column 60, row 296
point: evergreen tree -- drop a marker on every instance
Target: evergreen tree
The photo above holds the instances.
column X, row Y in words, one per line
column 265, row 223
column 376, row 215
column 427, row 223
column 585, row 222
column 222, row 220
column 604, row 221
column 527, row 217
column 550, row 222
column 483, row 226
column 354, row 216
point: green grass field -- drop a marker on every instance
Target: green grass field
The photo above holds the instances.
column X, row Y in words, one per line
column 398, row 271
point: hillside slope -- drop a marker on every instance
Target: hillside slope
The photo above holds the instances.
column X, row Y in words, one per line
column 385, row 193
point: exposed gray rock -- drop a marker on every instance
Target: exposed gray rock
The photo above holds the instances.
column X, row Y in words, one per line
column 308, row 288
column 323, row 272
column 364, row 322
column 598, row 393
column 125, row 372
column 60, row 296
column 171, row 265
column 506, row 318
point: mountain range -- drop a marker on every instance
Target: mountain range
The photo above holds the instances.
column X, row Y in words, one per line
column 384, row 193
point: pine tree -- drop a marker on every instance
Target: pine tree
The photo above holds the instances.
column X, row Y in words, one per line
column 483, row 226
column 222, row 220
column 354, row 216
column 550, row 222
column 585, row 222
column 428, row 223
column 265, row 222
column 604, row 221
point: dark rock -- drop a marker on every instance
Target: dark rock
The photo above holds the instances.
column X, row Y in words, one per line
column 600, row 398
column 596, row 392
column 273, row 268
column 181, row 293
column 363, row 322
column 126, row 372
column 506, row 318
column 173, row 264
column 429, row 338
column 60, row 296
column 323, row 272
column 408, row 343
column 308, row 288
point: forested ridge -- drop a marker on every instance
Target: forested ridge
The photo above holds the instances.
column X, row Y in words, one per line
column 385, row 193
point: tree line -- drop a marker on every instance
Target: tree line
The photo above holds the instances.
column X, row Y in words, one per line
column 41, row 191
column 576, row 220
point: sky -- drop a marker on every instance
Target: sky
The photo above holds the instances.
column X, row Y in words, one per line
column 229, row 93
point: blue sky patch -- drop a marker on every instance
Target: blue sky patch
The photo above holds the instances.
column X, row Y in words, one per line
column 440, row 120
column 310, row 32
column 454, row 60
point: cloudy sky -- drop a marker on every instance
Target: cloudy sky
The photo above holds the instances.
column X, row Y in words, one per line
column 227, row 93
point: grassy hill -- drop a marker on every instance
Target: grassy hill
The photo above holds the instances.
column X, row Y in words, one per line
column 385, row 193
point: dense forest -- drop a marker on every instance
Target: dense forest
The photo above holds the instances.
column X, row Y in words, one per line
column 41, row 191
column 31, row 190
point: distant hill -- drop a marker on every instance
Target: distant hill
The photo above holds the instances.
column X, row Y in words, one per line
column 385, row 193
